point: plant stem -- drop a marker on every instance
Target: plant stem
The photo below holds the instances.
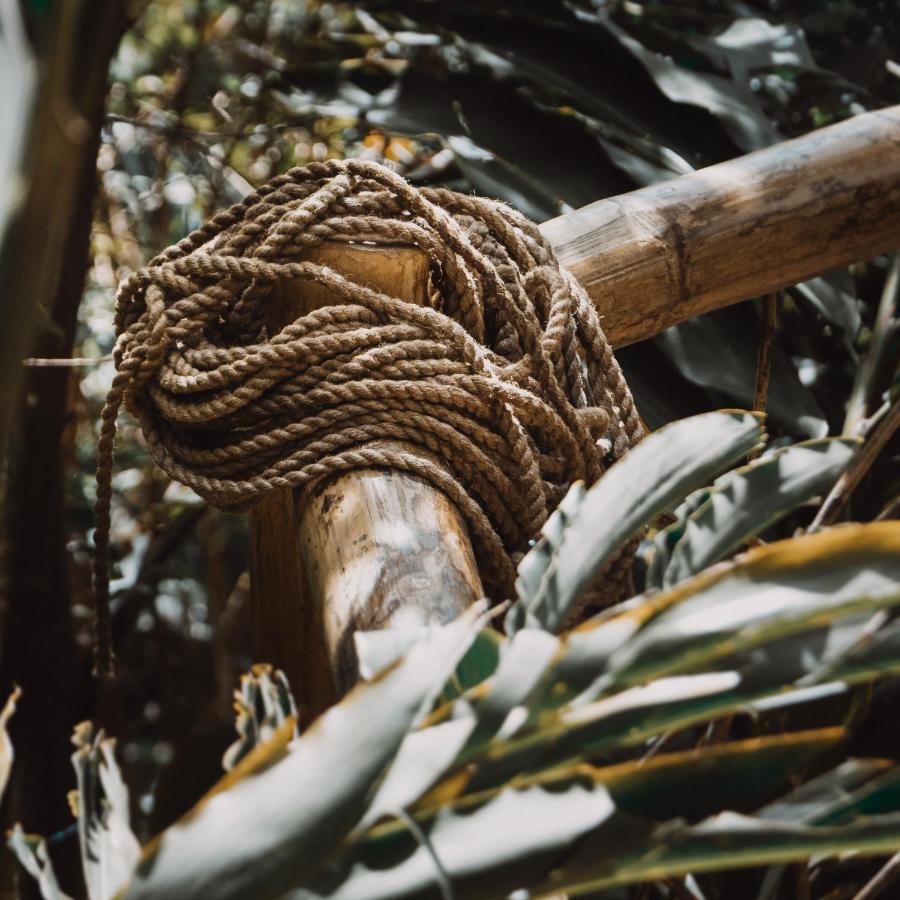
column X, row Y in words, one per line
column 891, row 511
column 860, row 464
column 856, row 407
column 764, row 359
column 885, row 876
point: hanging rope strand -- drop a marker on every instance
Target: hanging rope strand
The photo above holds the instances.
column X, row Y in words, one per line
column 505, row 376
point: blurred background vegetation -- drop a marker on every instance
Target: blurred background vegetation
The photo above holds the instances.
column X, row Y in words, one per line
column 546, row 105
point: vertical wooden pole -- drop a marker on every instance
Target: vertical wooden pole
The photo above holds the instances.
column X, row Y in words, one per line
column 367, row 549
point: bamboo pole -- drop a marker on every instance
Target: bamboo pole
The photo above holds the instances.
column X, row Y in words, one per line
column 743, row 228
column 375, row 548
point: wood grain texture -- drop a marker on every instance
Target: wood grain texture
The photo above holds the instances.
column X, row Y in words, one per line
column 747, row 227
column 368, row 549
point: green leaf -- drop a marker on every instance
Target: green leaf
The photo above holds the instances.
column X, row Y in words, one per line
column 377, row 650
column 489, row 845
column 109, row 849
column 726, row 841
column 477, row 665
column 782, row 614
column 589, row 528
column 737, row 775
column 267, row 828
column 768, row 592
column 857, row 788
column 742, row 503
column 31, row 851
column 481, row 851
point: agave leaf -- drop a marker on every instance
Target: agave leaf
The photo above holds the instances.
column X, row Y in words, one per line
column 876, row 656
column 492, row 844
column 377, row 650
column 589, row 527
column 421, row 760
column 623, row 720
column 737, row 775
column 858, row 787
column 268, row 828
column 768, row 592
column 473, row 852
column 725, row 841
column 742, row 503
column 522, row 663
column 31, row 851
column 262, row 705
column 816, row 801
column 109, row 849
column 790, row 612
column 477, row 665
column 587, row 651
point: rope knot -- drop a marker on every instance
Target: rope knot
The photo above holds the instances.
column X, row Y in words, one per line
column 505, row 376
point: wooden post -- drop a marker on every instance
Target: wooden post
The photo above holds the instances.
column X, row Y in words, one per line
column 367, row 549
column 375, row 548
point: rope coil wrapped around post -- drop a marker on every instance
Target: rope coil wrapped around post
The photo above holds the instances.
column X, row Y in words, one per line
column 505, row 375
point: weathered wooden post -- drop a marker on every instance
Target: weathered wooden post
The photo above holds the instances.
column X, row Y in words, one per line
column 367, row 549
column 373, row 548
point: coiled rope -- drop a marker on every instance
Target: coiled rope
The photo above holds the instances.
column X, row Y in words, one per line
column 505, row 375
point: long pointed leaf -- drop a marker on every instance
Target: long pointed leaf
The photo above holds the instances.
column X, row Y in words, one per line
column 589, row 528
column 744, row 502
column 268, row 830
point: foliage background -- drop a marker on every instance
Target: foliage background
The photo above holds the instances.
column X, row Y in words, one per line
column 547, row 105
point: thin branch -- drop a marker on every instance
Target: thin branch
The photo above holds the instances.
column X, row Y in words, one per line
column 443, row 879
column 764, row 358
column 865, row 374
column 174, row 128
column 859, row 465
column 885, row 877
column 891, row 511
column 64, row 363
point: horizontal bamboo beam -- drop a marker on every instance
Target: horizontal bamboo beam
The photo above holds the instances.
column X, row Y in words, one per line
column 743, row 228
column 374, row 548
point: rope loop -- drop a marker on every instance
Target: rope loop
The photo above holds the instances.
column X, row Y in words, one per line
column 505, row 377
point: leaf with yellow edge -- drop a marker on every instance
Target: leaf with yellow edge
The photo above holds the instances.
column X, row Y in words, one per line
column 6, row 747
column 589, row 527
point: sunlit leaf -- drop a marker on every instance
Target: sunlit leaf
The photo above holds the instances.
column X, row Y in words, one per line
column 309, row 798
column 31, row 851
column 588, row 528
column 109, row 849
column 6, row 747
column 741, row 504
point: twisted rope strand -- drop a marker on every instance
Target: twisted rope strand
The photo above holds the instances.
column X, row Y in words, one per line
column 500, row 392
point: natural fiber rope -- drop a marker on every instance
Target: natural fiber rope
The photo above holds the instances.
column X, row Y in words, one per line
column 505, row 375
